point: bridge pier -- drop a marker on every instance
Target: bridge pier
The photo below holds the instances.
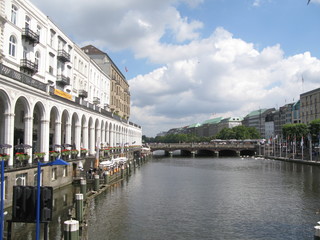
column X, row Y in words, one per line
column 238, row 153
column 170, row 153
column 216, row 153
column 194, row 153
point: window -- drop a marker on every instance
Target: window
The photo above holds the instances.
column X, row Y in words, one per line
column 65, row 171
column 14, row 10
column 25, row 53
column 51, row 63
column 35, row 178
column 21, row 179
column 52, row 36
column 27, row 22
column 54, row 174
column 37, row 59
column 39, row 31
column 12, row 46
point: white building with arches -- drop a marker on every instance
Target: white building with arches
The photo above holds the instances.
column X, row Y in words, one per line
column 52, row 94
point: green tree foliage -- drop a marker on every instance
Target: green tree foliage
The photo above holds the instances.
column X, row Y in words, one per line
column 314, row 128
column 239, row 133
column 295, row 130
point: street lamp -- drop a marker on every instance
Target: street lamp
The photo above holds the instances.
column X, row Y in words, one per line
column 56, row 162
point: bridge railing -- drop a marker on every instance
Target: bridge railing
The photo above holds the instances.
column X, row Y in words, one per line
column 201, row 145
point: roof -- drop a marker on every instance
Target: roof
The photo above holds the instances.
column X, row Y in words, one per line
column 194, row 125
column 91, row 50
column 256, row 112
column 212, row 121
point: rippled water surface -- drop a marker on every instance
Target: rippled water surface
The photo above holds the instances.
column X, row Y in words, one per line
column 210, row 198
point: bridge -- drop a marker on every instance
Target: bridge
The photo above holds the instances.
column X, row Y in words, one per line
column 237, row 148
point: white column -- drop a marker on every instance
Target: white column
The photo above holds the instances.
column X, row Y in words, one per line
column 92, row 140
column 57, row 133
column 77, row 137
column 44, row 140
column 68, row 133
column 28, row 129
column 85, row 137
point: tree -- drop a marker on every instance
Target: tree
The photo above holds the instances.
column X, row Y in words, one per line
column 314, row 127
column 239, row 133
column 295, row 130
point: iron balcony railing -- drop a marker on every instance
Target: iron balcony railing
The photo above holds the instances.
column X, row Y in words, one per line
column 28, row 66
column 96, row 100
column 63, row 56
column 63, row 79
column 83, row 93
column 30, row 36
column 23, row 78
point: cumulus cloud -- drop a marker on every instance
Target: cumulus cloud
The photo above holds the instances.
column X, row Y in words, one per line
column 222, row 75
column 198, row 76
column 122, row 24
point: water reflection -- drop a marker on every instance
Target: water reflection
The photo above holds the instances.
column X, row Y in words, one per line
column 210, row 198
column 62, row 202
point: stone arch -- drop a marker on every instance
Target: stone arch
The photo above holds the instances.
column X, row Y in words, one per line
column 54, row 129
column 65, row 128
column 38, row 127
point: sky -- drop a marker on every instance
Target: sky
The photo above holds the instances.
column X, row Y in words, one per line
column 189, row 61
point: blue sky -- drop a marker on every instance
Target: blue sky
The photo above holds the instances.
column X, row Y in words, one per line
column 191, row 60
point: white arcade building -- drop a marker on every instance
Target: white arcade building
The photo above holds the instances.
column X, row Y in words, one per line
column 51, row 93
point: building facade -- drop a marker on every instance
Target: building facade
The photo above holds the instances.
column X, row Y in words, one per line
column 52, row 94
column 119, row 89
column 256, row 119
column 310, row 106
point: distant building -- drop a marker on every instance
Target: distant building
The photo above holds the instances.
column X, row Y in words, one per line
column 230, row 122
column 310, row 106
column 256, row 119
column 209, row 127
column 296, row 112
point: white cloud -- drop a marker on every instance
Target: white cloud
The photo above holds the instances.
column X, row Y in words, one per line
column 218, row 74
column 222, row 74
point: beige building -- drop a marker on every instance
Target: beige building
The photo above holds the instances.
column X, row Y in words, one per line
column 119, row 87
column 310, row 106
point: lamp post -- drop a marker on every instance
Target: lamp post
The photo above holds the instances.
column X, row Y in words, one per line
column 56, row 162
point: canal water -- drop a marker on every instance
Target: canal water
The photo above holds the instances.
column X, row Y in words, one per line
column 209, row 198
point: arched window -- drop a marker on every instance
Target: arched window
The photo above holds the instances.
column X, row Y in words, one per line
column 14, row 11
column 12, row 46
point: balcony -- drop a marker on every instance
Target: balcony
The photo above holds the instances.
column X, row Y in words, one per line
column 30, row 36
column 83, row 93
column 96, row 100
column 63, row 80
column 22, row 78
column 63, row 56
column 29, row 67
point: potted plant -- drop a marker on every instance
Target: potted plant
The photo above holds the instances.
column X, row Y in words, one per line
column 53, row 155
column 74, row 153
column 83, row 152
column 39, row 155
column 65, row 153
column 22, row 156
column 4, row 156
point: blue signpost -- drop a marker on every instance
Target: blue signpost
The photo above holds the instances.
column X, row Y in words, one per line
column 56, row 162
column 2, row 200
